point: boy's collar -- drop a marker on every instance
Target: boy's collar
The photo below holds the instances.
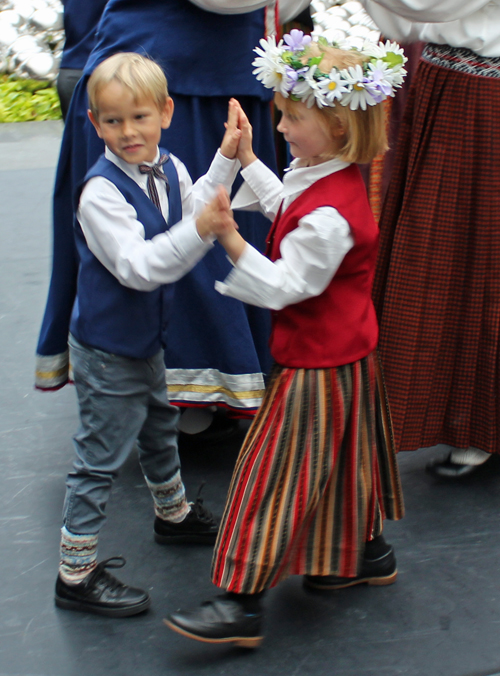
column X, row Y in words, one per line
column 126, row 166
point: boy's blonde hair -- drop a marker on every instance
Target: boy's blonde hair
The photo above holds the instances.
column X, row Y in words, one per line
column 139, row 74
column 365, row 131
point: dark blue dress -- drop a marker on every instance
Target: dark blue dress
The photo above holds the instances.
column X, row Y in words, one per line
column 217, row 350
column 80, row 22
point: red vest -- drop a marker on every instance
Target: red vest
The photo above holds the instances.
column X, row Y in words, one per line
column 339, row 326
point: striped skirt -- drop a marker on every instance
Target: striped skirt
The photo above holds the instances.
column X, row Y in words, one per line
column 314, row 479
column 437, row 285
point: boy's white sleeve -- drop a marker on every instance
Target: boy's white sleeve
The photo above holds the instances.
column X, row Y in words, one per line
column 116, row 238
column 310, row 256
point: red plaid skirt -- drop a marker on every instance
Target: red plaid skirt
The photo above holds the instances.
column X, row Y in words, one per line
column 437, row 288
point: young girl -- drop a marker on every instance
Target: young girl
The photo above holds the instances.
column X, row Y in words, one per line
column 317, row 473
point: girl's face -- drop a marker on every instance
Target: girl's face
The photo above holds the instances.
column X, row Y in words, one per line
column 308, row 136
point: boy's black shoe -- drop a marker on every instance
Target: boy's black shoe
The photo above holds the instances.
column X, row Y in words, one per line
column 374, row 571
column 199, row 526
column 219, row 621
column 101, row 593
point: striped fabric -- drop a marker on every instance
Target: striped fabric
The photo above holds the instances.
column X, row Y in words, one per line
column 437, row 287
column 153, row 171
column 315, row 477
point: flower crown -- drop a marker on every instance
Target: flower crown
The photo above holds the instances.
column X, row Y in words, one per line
column 283, row 68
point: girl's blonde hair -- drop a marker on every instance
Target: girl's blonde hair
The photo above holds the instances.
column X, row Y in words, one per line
column 365, row 131
column 139, row 74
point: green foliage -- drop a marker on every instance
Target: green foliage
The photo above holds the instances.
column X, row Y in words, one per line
column 27, row 100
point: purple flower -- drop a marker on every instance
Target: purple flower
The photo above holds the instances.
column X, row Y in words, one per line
column 296, row 40
column 377, row 85
column 292, row 76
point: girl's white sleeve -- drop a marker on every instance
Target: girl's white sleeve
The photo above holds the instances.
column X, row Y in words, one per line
column 310, row 256
column 261, row 189
column 222, row 171
column 423, row 11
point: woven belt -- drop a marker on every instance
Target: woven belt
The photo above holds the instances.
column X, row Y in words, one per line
column 462, row 60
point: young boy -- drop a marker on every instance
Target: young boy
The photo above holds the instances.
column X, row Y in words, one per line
column 128, row 256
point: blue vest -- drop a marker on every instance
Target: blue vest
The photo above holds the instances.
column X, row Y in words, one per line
column 202, row 53
column 107, row 315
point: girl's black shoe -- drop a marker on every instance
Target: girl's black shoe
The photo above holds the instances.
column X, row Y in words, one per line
column 378, row 571
column 222, row 620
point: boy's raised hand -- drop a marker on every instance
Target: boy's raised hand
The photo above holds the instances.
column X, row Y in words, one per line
column 229, row 145
column 216, row 218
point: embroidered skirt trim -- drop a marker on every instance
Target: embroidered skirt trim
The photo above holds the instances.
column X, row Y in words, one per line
column 462, row 60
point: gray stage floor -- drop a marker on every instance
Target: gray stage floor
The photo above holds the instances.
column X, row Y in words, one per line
column 441, row 618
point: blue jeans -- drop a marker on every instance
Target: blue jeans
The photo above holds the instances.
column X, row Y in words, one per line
column 122, row 401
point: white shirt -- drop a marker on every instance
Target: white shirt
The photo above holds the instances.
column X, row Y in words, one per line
column 310, row 254
column 288, row 9
column 117, row 238
column 473, row 24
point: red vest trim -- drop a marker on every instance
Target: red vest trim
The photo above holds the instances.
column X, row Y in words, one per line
column 339, row 326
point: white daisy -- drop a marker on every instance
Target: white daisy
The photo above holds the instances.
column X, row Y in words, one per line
column 358, row 96
column 331, row 88
column 269, row 65
column 305, row 88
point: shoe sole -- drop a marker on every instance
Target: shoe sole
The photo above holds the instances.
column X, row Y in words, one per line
column 185, row 539
column 66, row 604
column 239, row 641
column 371, row 581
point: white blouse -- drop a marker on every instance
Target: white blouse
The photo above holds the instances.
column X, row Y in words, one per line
column 310, row 254
column 288, row 9
column 117, row 238
column 472, row 24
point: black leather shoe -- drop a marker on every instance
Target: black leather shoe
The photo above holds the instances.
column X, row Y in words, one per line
column 199, row 526
column 447, row 469
column 378, row 572
column 219, row 621
column 101, row 593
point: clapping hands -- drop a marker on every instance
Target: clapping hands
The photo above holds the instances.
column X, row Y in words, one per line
column 216, row 219
column 237, row 141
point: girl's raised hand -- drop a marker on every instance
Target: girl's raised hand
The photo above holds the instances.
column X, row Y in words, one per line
column 245, row 152
column 229, row 145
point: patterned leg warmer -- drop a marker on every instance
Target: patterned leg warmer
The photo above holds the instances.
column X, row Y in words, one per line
column 170, row 499
column 78, row 556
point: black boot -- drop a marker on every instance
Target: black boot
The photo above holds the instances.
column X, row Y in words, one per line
column 379, row 568
column 101, row 593
column 232, row 618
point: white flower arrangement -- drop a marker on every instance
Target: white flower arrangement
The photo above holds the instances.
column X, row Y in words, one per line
column 285, row 68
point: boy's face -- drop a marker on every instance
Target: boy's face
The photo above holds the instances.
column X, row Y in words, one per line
column 130, row 128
